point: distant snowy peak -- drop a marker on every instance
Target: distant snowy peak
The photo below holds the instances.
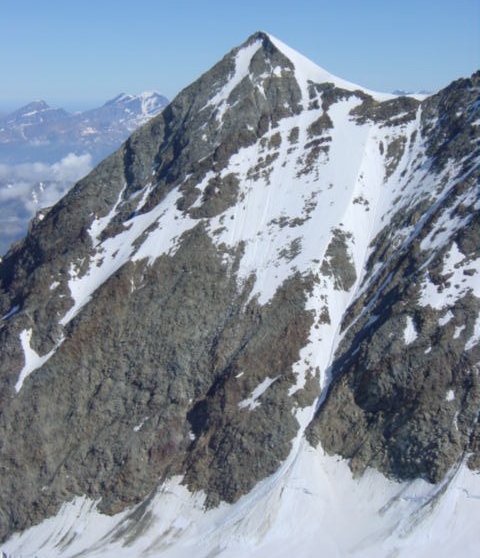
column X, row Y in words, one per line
column 144, row 105
column 128, row 111
column 35, row 106
column 119, row 99
column 97, row 130
column 150, row 102
column 34, row 112
column 37, row 140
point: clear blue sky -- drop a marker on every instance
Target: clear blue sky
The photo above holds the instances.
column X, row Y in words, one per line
column 80, row 53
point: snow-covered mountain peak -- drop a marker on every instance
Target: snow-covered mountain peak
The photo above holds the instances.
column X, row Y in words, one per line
column 120, row 98
column 151, row 101
column 37, row 128
column 278, row 260
column 144, row 97
column 143, row 105
column 36, row 105
column 31, row 111
column 306, row 71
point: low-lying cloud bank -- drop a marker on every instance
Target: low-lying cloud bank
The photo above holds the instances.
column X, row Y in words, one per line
column 27, row 188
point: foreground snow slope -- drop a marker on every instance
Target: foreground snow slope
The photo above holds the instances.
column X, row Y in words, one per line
column 312, row 506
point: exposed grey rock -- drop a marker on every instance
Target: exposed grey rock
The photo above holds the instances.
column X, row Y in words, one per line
column 389, row 405
column 338, row 262
column 388, row 113
column 167, row 352
column 159, row 373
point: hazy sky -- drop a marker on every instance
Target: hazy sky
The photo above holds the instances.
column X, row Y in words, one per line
column 78, row 54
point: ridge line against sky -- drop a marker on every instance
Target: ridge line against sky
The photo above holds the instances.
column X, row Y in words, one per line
column 78, row 55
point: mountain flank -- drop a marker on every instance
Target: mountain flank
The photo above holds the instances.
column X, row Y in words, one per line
column 279, row 259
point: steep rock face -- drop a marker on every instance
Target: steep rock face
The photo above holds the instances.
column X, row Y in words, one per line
column 152, row 364
column 405, row 391
column 176, row 312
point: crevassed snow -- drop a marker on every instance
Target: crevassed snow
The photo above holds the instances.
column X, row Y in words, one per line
column 33, row 360
column 409, row 333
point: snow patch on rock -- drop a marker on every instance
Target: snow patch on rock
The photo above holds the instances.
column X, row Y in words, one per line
column 410, row 332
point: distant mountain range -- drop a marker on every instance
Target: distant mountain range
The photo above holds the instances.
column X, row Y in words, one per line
column 37, row 131
column 45, row 150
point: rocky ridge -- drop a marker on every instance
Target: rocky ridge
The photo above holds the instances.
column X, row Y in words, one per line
column 278, row 253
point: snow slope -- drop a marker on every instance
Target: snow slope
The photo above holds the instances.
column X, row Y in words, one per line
column 312, row 507
column 286, row 220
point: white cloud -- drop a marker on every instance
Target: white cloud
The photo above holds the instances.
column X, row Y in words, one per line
column 37, row 185
column 29, row 187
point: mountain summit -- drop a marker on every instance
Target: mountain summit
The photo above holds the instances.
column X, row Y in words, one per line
column 280, row 268
column 34, row 113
